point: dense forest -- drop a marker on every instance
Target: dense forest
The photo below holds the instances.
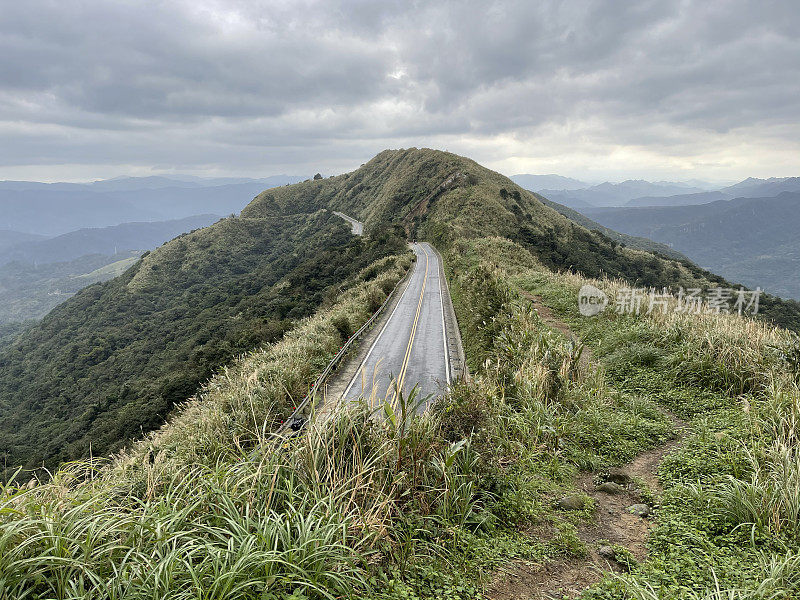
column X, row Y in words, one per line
column 113, row 360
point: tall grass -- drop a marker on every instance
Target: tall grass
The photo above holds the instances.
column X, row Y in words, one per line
column 533, row 391
column 738, row 376
column 303, row 513
column 768, row 502
column 210, row 533
column 724, row 351
column 215, row 506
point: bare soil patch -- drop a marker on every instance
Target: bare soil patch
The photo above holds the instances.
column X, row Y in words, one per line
column 613, row 523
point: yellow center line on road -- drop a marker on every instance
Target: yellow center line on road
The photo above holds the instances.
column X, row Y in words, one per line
column 404, row 368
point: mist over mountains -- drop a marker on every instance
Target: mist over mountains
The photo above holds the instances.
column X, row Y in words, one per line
column 57, row 238
column 57, row 208
column 102, row 240
column 553, row 182
column 125, row 183
column 616, row 194
column 646, row 193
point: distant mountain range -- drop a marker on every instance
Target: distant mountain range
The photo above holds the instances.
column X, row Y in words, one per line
column 752, row 240
column 544, row 182
column 680, row 199
column 103, row 240
column 749, row 188
column 638, row 243
column 56, row 208
column 30, row 292
column 646, row 193
column 118, row 184
column 617, row 194
column 10, row 238
column 38, row 274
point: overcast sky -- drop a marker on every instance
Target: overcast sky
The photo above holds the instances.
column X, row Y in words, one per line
column 657, row 89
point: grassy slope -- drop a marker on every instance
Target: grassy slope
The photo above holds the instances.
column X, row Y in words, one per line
column 727, row 518
column 472, row 205
column 113, row 269
column 114, row 359
column 445, row 197
column 407, row 507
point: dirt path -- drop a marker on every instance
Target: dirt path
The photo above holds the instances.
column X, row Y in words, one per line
column 614, row 523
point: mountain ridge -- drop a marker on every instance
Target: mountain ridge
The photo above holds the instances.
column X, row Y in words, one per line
column 188, row 307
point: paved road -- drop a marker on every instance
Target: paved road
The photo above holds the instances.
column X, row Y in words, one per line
column 410, row 347
column 357, row 226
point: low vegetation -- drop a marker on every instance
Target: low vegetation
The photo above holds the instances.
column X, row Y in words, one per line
column 726, row 523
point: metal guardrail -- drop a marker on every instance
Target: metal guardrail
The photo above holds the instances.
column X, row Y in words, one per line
column 460, row 370
column 296, row 420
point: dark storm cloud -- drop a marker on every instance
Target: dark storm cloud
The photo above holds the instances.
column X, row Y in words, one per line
column 226, row 85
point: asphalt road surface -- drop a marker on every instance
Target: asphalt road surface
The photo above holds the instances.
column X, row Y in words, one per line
column 410, row 348
column 356, row 226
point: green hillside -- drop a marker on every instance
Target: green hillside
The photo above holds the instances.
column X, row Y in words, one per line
column 444, row 197
column 111, row 362
column 753, row 240
column 637, row 243
column 648, row 456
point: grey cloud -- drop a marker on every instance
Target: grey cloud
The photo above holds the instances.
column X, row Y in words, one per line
column 226, row 84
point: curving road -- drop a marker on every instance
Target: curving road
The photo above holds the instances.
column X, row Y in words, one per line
column 411, row 345
column 356, row 226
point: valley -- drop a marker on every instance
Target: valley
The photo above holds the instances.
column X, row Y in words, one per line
column 754, row 241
